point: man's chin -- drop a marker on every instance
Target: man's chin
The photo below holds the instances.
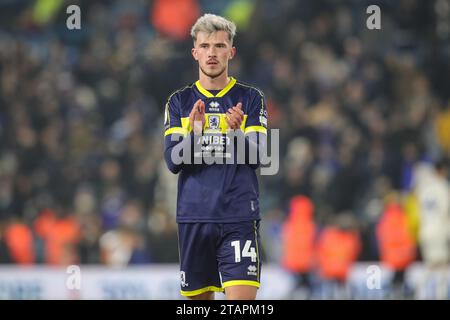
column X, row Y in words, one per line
column 213, row 74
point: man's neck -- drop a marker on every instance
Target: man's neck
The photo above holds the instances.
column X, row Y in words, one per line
column 214, row 83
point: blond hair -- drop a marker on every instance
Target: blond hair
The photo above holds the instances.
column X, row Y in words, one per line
column 211, row 23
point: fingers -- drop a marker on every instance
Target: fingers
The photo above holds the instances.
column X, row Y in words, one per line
column 234, row 117
column 195, row 108
column 197, row 116
column 197, row 103
column 237, row 112
column 232, row 124
column 198, row 109
column 238, row 109
column 201, row 107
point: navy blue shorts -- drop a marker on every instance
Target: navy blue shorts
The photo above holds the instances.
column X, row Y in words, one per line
column 214, row 256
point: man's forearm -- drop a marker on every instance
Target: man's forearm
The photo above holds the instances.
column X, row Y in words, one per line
column 175, row 152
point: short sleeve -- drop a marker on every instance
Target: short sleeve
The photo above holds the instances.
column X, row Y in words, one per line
column 172, row 118
column 257, row 115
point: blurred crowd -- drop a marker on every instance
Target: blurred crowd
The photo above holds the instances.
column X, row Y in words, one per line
column 82, row 179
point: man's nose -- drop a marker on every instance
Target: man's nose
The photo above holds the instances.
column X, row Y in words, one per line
column 212, row 52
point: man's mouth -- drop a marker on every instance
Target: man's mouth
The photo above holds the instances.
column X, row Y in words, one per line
column 212, row 62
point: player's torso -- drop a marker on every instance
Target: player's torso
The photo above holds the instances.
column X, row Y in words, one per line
column 216, row 192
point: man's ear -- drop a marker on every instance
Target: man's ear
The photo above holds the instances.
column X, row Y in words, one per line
column 194, row 53
column 233, row 52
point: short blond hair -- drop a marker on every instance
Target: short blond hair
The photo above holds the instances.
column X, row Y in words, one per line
column 211, row 23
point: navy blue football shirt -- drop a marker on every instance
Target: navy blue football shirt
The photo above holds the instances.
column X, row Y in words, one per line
column 219, row 193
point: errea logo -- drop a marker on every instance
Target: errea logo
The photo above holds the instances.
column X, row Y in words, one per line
column 214, row 106
column 252, row 270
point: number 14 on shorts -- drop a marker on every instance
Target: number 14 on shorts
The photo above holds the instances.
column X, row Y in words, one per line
column 247, row 252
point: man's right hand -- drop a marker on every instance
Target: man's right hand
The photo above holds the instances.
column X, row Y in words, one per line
column 197, row 116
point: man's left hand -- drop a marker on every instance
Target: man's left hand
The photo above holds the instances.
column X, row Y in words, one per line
column 235, row 116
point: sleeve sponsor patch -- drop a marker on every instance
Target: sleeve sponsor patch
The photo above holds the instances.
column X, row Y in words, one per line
column 263, row 121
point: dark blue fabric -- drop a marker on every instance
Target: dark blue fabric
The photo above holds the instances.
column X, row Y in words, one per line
column 206, row 250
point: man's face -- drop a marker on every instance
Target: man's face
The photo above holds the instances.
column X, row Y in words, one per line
column 212, row 51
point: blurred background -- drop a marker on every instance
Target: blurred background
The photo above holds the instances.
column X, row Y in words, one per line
column 359, row 208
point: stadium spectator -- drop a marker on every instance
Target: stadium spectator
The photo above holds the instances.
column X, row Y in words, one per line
column 433, row 189
column 299, row 231
column 396, row 243
column 338, row 248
